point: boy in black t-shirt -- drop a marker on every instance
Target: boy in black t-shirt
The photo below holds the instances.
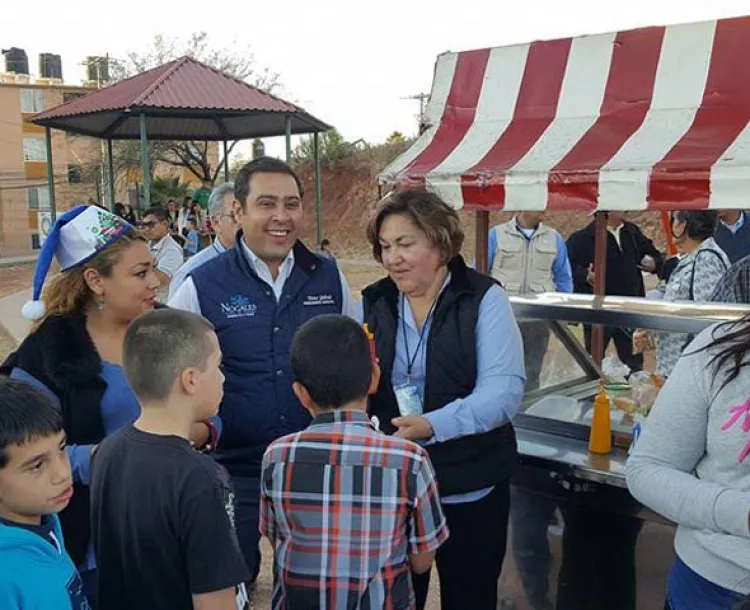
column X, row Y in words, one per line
column 35, row 484
column 161, row 511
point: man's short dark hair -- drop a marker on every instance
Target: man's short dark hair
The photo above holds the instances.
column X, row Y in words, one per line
column 325, row 243
column 159, row 346
column 26, row 414
column 331, row 359
column 158, row 212
column 261, row 165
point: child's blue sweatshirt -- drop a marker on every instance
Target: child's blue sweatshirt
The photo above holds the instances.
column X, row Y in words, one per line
column 36, row 573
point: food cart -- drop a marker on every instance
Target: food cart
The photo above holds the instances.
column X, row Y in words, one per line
column 653, row 119
column 554, row 438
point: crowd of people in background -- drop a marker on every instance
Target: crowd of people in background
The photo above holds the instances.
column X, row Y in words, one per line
column 178, row 398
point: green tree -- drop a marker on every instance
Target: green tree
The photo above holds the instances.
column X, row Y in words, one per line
column 164, row 189
column 395, row 138
column 333, row 149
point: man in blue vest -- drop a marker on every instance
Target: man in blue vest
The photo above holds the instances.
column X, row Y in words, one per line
column 256, row 294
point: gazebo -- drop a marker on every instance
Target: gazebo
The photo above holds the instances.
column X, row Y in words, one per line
column 182, row 100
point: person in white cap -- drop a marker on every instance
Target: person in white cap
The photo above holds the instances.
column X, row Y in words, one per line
column 74, row 352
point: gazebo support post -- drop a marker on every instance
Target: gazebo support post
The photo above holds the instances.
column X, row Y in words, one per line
column 288, row 132
column 318, row 188
column 145, row 163
column 600, row 276
column 111, row 167
column 482, row 241
column 50, row 174
column 226, row 161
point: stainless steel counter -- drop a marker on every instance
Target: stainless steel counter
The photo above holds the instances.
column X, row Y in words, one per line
column 573, row 455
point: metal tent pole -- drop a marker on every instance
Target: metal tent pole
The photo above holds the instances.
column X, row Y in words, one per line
column 482, row 241
column 50, row 174
column 318, row 189
column 111, row 164
column 145, row 163
column 226, row 161
column 288, row 130
column 600, row 276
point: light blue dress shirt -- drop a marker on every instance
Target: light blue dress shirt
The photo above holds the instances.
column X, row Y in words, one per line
column 737, row 225
column 501, row 377
column 561, row 272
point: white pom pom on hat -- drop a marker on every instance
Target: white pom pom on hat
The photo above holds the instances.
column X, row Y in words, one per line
column 33, row 310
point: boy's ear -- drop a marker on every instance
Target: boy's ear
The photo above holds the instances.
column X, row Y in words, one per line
column 188, row 382
column 374, row 378
column 303, row 396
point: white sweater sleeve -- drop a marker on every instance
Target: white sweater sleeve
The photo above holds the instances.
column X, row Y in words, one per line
column 661, row 470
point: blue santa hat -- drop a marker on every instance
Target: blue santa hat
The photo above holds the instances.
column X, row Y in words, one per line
column 76, row 237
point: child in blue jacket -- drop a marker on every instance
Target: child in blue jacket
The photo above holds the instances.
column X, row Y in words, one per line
column 35, row 484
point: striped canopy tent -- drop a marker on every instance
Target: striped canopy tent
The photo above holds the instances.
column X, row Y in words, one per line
column 647, row 119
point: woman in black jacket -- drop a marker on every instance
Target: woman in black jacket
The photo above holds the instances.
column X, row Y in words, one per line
column 452, row 379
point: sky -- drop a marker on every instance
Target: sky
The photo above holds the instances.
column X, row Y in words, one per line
column 350, row 64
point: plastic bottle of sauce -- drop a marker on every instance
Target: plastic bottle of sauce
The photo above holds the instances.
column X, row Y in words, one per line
column 600, row 440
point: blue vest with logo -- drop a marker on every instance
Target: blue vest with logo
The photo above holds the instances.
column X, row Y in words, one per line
column 255, row 333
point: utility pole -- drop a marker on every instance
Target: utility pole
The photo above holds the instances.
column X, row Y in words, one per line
column 421, row 118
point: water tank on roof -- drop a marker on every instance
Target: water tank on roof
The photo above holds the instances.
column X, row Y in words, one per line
column 16, row 60
column 259, row 149
column 50, row 66
column 97, row 69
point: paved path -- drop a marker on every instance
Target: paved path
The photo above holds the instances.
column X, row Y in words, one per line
column 10, row 314
column 8, row 261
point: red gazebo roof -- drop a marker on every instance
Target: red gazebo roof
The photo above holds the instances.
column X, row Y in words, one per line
column 182, row 100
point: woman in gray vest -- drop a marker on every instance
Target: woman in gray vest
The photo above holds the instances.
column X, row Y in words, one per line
column 694, row 278
column 452, row 380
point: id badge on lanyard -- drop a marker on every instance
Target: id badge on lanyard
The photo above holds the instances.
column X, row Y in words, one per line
column 407, row 395
column 408, row 399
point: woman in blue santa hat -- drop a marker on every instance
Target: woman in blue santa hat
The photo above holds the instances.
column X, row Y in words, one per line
column 74, row 351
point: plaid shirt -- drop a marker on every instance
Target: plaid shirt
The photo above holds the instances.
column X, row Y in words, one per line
column 345, row 507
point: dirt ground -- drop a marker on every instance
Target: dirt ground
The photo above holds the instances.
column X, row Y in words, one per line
column 15, row 278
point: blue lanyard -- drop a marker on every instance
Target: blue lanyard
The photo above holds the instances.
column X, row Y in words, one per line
column 409, row 360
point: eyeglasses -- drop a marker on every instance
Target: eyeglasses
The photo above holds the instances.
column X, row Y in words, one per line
column 150, row 224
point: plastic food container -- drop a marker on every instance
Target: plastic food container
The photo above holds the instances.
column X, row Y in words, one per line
column 562, row 408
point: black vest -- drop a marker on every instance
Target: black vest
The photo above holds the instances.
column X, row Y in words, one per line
column 466, row 463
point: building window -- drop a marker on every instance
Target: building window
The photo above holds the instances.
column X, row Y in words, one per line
column 38, row 198
column 69, row 96
column 35, row 242
column 74, row 174
column 34, row 149
column 32, row 100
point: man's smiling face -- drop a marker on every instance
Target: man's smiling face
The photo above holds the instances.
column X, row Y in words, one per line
column 271, row 215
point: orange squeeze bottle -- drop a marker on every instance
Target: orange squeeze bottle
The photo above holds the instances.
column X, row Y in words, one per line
column 600, row 440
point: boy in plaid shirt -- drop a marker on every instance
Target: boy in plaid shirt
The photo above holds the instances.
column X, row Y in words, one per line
column 351, row 512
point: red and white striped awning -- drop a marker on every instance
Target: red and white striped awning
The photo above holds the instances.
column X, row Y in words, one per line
column 654, row 118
